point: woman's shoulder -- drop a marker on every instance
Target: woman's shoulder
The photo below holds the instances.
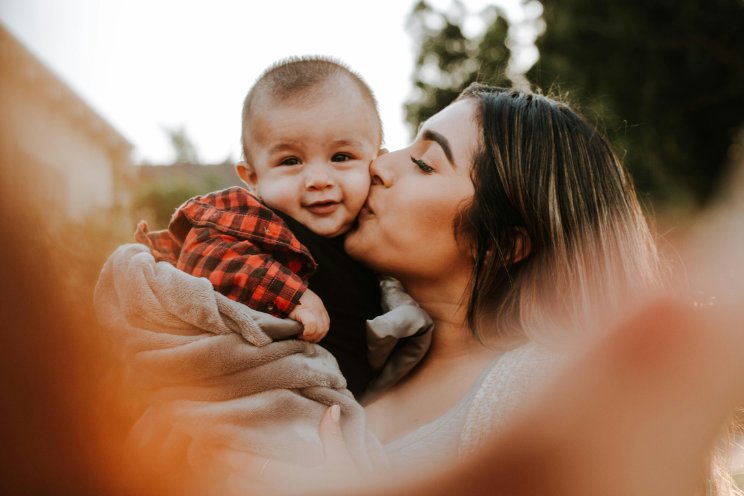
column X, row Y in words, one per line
column 508, row 380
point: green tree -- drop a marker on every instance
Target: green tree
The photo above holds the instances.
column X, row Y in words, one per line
column 665, row 77
column 183, row 147
column 158, row 196
column 158, row 199
column 448, row 61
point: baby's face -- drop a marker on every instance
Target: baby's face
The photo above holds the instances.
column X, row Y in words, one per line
column 310, row 159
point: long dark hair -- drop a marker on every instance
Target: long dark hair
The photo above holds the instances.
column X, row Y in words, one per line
column 555, row 225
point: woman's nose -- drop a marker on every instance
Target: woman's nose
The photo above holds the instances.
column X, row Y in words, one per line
column 381, row 171
column 317, row 176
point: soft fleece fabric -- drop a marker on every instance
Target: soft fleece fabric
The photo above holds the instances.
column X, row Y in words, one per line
column 221, row 376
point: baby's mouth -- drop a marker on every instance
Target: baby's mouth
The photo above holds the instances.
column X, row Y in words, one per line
column 323, row 207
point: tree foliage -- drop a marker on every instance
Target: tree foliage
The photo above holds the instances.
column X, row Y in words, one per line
column 161, row 189
column 157, row 200
column 184, row 148
column 448, row 60
column 664, row 79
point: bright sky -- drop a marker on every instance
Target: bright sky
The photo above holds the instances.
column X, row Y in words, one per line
column 144, row 64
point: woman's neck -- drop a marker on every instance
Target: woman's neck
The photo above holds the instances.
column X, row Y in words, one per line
column 454, row 362
column 446, row 305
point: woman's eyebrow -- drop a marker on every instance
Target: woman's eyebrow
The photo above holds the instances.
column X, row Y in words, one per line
column 430, row 135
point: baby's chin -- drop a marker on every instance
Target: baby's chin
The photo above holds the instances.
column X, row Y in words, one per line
column 329, row 229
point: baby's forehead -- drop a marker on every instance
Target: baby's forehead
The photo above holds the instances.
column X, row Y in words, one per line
column 296, row 107
column 318, row 94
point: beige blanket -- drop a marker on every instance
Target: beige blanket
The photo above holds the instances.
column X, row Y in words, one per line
column 218, row 374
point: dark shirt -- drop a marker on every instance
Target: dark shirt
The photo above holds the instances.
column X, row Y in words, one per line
column 351, row 295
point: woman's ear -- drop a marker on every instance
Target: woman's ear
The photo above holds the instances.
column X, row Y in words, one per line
column 248, row 175
column 522, row 245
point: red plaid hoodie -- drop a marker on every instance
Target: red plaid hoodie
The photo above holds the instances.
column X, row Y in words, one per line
column 240, row 245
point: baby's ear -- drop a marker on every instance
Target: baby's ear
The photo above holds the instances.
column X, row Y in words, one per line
column 247, row 174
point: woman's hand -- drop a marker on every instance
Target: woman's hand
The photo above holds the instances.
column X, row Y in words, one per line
column 337, row 457
column 249, row 471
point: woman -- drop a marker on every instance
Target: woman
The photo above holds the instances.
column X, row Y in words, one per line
column 514, row 225
column 511, row 221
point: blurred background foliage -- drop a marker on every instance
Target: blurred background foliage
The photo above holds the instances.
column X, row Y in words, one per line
column 163, row 188
column 664, row 79
column 160, row 189
column 448, row 60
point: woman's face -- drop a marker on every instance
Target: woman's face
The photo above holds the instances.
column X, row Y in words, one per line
column 406, row 229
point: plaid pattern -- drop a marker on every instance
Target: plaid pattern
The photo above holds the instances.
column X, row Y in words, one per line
column 240, row 245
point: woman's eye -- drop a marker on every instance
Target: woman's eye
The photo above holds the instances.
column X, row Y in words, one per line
column 290, row 161
column 340, row 157
column 422, row 165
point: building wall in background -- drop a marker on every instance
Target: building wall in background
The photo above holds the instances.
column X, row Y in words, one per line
column 54, row 144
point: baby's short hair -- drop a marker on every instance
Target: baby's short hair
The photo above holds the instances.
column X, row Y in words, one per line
column 299, row 76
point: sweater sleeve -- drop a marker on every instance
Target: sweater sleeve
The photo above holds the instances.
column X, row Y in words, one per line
column 238, row 269
column 162, row 245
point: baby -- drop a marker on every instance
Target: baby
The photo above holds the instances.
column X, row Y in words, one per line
column 310, row 130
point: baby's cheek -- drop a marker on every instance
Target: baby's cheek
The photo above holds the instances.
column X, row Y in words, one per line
column 356, row 190
column 279, row 194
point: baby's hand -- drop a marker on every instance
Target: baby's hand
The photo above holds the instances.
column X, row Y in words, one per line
column 311, row 313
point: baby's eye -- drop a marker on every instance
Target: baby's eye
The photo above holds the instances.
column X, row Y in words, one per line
column 290, row 161
column 426, row 168
column 341, row 157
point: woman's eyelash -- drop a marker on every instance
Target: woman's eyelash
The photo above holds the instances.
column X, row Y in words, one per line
column 422, row 165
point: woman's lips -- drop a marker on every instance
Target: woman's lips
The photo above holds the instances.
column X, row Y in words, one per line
column 366, row 211
column 323, row 207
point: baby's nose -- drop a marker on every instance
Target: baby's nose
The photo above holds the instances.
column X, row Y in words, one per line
column 318, row 177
